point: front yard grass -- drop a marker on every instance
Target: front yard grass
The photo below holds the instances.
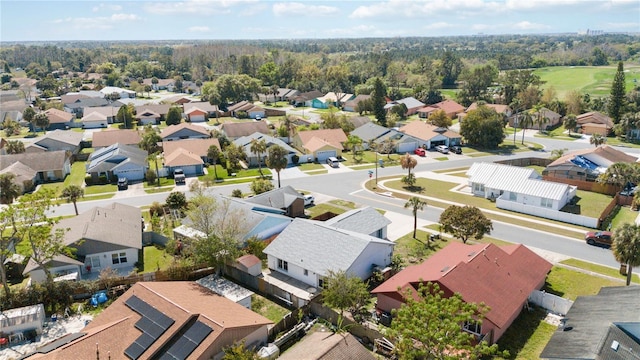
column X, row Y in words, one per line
column 527, row 336
column 100, row 189
column 599, row 269
column 76, row 177
column 155, row 258
column 163, row 182
column 570, row 284
column 310, row 166
column 225, row 174
column 335, row 206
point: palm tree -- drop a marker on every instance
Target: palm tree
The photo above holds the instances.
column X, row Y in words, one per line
column 570, row 122
column 626, row 247
column 620, row 174
column 72, row 193
column 40, row 120
column 277, row 159
column 597, row 140
column 526, row 120
column 213, row 153
column 354, row 142
column 258, row 147
column 541, row 118
column 416, row 204
column 408, row 162
column 9, row 190
column 15, row 147
column 291, row 127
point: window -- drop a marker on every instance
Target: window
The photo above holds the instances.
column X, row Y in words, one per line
column 92, row 262
column 472, row 327
column 546, row 202
column 306, row 272
column 119, row 258
column 513, row 196
column 283, row 265
column 478, row 187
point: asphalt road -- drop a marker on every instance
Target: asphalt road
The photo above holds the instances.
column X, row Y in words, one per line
column 348, row 185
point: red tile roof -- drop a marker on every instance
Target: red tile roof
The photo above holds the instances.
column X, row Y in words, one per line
column 501, row 277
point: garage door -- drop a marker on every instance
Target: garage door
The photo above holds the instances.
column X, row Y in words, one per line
column 132, row 175
column 407, row 147
column 321, row 156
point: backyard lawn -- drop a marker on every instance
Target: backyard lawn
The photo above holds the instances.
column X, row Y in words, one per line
column 155, row 258
column 268, row 308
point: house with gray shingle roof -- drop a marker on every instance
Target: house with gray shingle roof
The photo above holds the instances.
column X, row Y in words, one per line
column 376, row 134
column 252, row 158
column 77, row 107
column 234, row 131
column 308, row 250
column 286, row 198
column 117, row 160
column 58, row 140
column 365, row 220
column 49, row 165
column 412, row 104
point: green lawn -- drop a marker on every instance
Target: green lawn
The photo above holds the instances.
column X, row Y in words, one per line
column 527, row 336
column 594, row 80
column 334, row 206
column 225, row 175
column 310, row 166
column 570, row 284
column 76, row 177
column 591, row 203
column 623, row 215
column 604, row 270
column 100, row 189
column 268, row 308
column 163, row 182
column 155, row 258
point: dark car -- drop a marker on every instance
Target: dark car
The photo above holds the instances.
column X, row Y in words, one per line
column 599, row 238
column 123, row 183
column 456, row 149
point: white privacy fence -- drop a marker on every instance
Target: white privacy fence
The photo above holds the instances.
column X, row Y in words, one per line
column 553, row 303
column 547, row 213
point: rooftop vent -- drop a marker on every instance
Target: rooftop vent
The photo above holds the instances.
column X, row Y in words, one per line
column 444, row 269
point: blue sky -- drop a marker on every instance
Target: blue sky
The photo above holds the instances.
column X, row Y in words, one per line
column 257, row 19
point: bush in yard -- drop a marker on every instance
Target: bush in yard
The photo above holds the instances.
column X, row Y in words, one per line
column 103, row 180
column 156, row 209
column 150, row 176
column 236, row 193
column 88, row 180
column 259, row 186
column 295, row 159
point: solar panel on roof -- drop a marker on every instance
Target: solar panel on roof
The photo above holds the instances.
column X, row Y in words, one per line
column 145, row 340
column 134, row 351
column 198, row 332
column 152, row 323
column 188, row 342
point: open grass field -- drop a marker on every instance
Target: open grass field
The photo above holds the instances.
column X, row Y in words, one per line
column 595, row 80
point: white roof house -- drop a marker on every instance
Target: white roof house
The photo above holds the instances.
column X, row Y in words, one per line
column 228, row 289
column 308, row 250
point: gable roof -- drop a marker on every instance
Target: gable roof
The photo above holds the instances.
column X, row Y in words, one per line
column 370, row 131
column 334, row 137
column 280, row 198
column 245, row 142
column 184, row 303
column 590, row 318
column 182, row 157
column 309, row 95
column 354, row 102
column 172, row 129
column 202, row 105
column 64, row 136
column 161, row 109
column 365, row 220
column 39, row 161
column 410, row 102
column 312, row 245
column 358, row 121
column 235, row 130
column 72, row 97
column 603, row 156
column 87, row 102
column 56, row 116
column 449, row 106
column 594, row 117
column 98, row 225
column 58, row 260
column 499, row 108
column 199, row 147
column 244, row 105
column 94, row 116
column 422, row 130
column 112, row 136
column 320, row 345
column 114, row 156
column 501, row 277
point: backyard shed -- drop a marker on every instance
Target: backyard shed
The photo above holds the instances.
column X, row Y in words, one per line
column 15, row 321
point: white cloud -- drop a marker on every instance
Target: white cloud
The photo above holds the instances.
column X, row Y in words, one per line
column 107, row 7
column 412, row 9
column 541, row 4
column 201, row 7
column 300, row 9
column 98, row 22
column 201, row 29
column 438, row 26
column 526, row 25
column 634, row 26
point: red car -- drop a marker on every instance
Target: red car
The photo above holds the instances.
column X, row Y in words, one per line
column 599, row 238
column 420, row 152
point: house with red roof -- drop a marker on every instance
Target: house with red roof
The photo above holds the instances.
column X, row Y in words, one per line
column 430, row 136
column 501, row 277
column 450, row 107
column 321, row 144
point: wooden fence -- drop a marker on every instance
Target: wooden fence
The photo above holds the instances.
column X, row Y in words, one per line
column 593, row 186
column 522, row 162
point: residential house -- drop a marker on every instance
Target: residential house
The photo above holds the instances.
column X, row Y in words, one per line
column 321, row 345
column 282, row 95
column 431, row 136
column 181, row 158
column 118, row 160
column 518, row 184
column 71, row 97
column 179, row 99
column 102, row 139
column 330, row 99
column 184, row 131
column 352, row 104
column 168, row 320
column 594, row 122
column 376, row 134
column 547, row 119
column 599, row 327
column 450, row 107
column 305, row 99
column 500, row 277
column 77, row 107
column 56, row 140
column 412, row 104
column 285, row 198
column 61, row 267
column 211, row 110
column 13, row 115
column 308, row 250
column 157, row 112
column 95, row 120
column 505, row 110
column 365, row 220
column 49, row 165
column 162, row 84
column 24, row 176
column 252, row 158
column 198, row 147
column 237, row 130
column 246, row 109
column 358, row 121
column 195, row 114
column 585, row 164
column 122, row 93
column 58, row 119
column 321, row 144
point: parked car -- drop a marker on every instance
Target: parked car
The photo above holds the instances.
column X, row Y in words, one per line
column 178, row 176
column 420, row 152
column 456, row 149
column 599, row 238
column 333, row 162
column 442, row 149
column 123, row 183
column 309, row 200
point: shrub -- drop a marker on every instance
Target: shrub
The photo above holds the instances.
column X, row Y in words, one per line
column 295, row 159
column 150, row 176
column 88, row 180
column 236, row 193
column 156, row 209
column 103, row 180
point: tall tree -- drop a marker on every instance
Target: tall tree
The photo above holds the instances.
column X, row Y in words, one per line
column 475, row 83
column 8, row 235
column 465, row 222
column 483, row 127
column 234, row 154
column 213, row 153
column 450, row 68
column 570, row 122
column 430, row 326
column 259, row 147
column 41, row 121
column 15, row 147
column 72, row 193
column 345, row 292
column 378, row 101
column 618, row 95
column 174, row 117
column 415, row 204
column 597, row 140
column 408, row 162
column 150, row 140
column 28, row 114
column 125, row 115
column 626, row 247
column 620, row 174
column 354, row 142
column 277, row 159
column 439, row 118
column 9, row 190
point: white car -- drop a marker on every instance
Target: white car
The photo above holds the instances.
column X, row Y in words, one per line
column 442, row 149
column 308, row 200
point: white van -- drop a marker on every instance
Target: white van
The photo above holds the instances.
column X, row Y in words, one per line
column 333, row 162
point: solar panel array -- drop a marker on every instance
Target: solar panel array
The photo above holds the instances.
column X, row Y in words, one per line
column 188, row 342
column 153, row 324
